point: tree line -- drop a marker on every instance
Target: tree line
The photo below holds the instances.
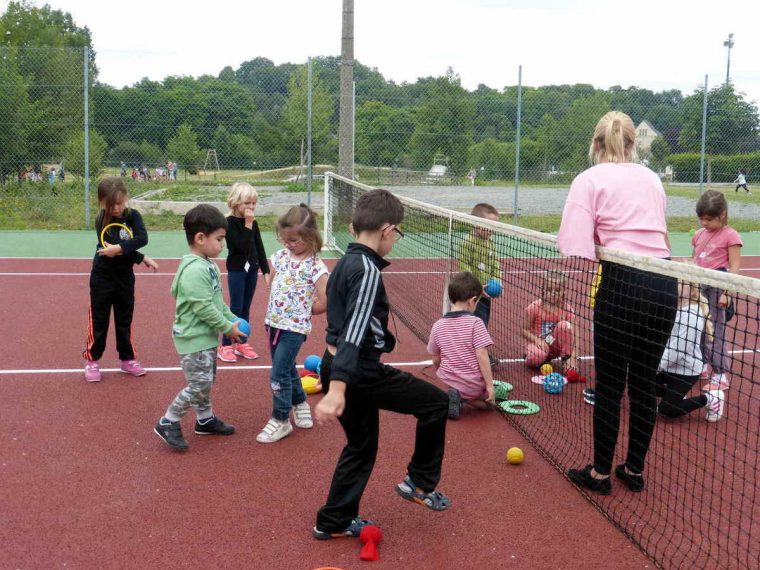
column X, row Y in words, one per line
column 255, row 116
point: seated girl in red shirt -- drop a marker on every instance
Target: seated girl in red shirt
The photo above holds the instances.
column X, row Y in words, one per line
column 548, row 325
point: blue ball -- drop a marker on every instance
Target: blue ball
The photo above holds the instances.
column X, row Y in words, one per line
column 554, row 383
column 493, row 288
column 312, row 363
column 243, row 326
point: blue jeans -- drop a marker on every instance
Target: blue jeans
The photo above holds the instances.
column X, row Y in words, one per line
column 242, row 285
column 284, row 380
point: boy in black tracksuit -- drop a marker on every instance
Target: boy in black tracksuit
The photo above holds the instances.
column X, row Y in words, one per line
column 358, row 386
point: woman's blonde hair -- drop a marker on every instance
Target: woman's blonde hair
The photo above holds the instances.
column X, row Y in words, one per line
column 239, row 193
column 614, row 139
column 303, row 220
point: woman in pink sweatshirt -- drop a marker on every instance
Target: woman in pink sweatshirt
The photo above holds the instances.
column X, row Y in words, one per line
column 620, row 204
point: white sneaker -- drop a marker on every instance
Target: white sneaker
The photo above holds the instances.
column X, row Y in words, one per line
column 302, row 416
column 715, row 404
column 275, row 430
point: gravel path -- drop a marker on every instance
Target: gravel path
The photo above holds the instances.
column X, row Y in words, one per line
column 531, row 201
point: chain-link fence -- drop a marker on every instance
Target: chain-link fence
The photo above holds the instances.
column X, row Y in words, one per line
column 253, row 123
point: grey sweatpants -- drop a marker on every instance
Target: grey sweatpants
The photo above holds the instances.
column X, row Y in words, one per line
column 200, row 371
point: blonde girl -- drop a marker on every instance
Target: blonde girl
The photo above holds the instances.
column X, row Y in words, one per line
column 112, row 281
column 620, row 204
column 297, row 291
column 548, row 324
column 682, row 359
column 716, row 245
column 245, row 257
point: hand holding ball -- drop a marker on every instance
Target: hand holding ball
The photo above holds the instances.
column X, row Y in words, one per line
column 493, row 288
column 243, row 327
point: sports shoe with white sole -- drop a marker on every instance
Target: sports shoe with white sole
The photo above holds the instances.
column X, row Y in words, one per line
column 716, row 400
column 274, row 431
column 302, row 416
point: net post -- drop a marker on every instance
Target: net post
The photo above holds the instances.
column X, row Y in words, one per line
column 329, row 239
column 446, row 306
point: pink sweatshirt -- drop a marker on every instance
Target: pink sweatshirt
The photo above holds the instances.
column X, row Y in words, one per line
column 616, row 205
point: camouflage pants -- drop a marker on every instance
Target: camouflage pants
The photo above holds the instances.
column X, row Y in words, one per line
column 200, row 370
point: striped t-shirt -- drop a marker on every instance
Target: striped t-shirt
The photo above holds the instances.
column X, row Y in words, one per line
column 455, row 338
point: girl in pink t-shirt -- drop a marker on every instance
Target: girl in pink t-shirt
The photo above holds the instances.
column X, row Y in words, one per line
column 716, row 246
column 548, row 325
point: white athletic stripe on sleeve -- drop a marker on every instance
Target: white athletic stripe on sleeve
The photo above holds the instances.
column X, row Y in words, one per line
column 364, row 303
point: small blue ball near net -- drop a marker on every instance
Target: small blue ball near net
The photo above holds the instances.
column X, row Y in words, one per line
column 554, row 383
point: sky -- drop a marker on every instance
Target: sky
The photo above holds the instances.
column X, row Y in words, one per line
column 655, row 44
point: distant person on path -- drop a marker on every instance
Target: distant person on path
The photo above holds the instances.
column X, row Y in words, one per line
column 716, row 246
column 620, row 204
column 471, row 175
column 741, row 181
column 123, row 170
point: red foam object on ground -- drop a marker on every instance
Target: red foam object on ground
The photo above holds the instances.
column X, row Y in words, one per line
column 575, row 376
column 370, row 536
column 305, row 372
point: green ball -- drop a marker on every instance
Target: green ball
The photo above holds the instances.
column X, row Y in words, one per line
column 501, row 389
column 692, row 231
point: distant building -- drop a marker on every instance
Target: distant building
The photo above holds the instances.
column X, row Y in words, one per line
column 645, row 134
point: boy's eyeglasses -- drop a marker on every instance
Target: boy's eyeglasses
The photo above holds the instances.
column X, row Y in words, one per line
column 398, row 235
column 284, row 241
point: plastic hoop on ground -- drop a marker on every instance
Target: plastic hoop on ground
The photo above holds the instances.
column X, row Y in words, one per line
column 519, row 407
column 538, row 379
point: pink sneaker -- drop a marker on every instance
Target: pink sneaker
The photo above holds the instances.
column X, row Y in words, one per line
column 246, row 351
column 132, row 367
column 718, row 382
column 92, row 371
column 226, row 354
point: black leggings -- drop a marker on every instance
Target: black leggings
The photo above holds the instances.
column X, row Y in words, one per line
column 672, row 388
column 741, row 186
column 633, row 317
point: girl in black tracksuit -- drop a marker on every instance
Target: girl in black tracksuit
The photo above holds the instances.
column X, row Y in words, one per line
column 112, row 280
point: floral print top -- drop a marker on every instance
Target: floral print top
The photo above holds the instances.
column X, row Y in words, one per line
column 292, row 292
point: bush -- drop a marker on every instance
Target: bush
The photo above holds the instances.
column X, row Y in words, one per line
column 724, row 168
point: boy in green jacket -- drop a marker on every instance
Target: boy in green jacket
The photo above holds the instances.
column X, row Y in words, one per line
column 200, row 316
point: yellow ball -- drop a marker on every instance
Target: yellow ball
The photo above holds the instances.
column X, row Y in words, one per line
column 515, row 455
column 546, row 369
column 311, row 384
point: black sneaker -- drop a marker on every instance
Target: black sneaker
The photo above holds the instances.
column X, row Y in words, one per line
column 589, row 396
column 455, row 403
column 353, row 530
column 171, row 433
column 634, row 482
column 583, row 478
column 214, row 426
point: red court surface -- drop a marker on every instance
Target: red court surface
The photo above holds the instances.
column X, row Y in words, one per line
column 87, row 484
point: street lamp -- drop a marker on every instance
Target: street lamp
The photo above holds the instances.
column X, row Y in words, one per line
column 729, row 43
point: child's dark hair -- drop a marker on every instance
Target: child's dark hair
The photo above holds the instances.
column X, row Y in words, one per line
column 463, row 286
column 712, row 203
column 303, row 220
column 375, row 209
column 480, row 210
column 204, row 219
column 110, row 190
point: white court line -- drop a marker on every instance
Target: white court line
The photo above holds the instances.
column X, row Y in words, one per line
column 178, row 369
column 268, row 367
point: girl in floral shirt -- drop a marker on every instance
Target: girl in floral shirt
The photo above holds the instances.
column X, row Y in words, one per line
column 297, row 290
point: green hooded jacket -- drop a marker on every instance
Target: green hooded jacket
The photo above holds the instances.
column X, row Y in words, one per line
column 200, row 310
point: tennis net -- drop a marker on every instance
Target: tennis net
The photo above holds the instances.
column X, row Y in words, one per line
column 700, row 506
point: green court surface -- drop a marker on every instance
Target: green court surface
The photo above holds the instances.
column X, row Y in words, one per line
column 171, row 244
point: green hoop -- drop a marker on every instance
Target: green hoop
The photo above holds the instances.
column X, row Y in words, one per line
column 519, row 407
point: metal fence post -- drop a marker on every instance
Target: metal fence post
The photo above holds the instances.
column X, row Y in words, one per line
column 86, row 125
column 308, row 141
column 704, row 136
column 517, row 141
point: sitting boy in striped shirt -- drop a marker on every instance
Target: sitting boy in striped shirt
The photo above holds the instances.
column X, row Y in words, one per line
column 458, row 343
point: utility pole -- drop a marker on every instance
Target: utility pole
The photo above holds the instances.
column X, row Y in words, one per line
column 729, row 43
column 345, row 131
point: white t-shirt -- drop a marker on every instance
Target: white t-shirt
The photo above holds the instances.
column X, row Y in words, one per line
column 682, row 354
